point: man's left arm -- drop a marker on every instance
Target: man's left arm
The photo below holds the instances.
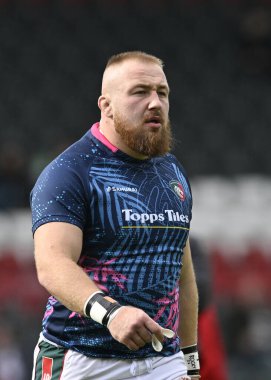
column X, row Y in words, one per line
column 188, row 325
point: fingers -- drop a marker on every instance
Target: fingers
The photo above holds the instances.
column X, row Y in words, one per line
column 154, row 328
column 168, row 333
column 138, row 339
column 132, row 345
column 145, row 334
column 136, row 342
column 134, row 328
column 156, row 344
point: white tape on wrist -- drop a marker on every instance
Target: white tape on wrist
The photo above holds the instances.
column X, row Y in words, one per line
column 191, row 357
column 192, row 361
column 112, row 316
column 97, row 312
column 100, row 309
column 86, row 311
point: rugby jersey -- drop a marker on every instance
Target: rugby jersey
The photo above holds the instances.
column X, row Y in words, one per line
column 135, row 216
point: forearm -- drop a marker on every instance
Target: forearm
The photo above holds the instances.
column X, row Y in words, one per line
column 67, row 282
column 188, row 324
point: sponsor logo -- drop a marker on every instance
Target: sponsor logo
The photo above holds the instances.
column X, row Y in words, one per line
column 178, row 189
column 121, row 189
column 47, row 368
column 168, row 215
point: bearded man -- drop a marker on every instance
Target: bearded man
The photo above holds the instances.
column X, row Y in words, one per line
column 111, row 220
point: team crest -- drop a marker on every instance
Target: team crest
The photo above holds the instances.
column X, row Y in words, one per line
column 178, row 189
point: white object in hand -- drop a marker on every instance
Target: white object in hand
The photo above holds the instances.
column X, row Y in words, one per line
column 156, row 344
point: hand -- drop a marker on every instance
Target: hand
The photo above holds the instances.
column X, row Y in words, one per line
column 134, row 328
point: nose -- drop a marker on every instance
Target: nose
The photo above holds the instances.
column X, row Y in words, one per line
column 154, row 101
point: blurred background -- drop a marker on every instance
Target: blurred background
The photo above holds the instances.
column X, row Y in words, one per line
column 218, row 63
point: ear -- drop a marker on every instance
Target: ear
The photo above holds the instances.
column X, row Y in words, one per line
column 104, row 104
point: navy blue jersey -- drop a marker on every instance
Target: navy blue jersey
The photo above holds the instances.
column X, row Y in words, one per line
column 135, row 216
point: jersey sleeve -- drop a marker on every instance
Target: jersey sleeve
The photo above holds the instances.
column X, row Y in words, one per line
column 59, row 195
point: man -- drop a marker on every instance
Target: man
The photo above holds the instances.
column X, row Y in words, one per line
column 111, row 218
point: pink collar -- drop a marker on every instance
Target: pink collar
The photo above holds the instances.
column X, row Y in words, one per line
column 99, row 136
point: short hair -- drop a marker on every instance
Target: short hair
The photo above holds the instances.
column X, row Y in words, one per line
column 121, row 57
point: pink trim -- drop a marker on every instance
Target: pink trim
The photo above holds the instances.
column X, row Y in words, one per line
column 96, row 133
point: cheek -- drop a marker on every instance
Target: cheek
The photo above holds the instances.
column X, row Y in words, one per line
column 133, row 110
column 130, row 110
column 166, row 106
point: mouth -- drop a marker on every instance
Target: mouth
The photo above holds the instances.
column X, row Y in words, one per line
column 154, row 122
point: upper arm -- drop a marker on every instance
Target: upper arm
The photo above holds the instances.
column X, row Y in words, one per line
column 55, row 241
column 187, row 272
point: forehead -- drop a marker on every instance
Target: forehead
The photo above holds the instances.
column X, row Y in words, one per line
column 132, row 72
column 136, row 71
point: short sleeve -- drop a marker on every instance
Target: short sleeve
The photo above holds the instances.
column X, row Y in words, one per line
column 59, row 195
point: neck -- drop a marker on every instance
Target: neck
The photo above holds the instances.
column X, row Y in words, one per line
column 114, row 138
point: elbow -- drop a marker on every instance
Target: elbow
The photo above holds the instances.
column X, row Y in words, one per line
column 44, row 278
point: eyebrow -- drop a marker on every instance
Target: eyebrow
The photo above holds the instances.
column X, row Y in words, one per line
column 147, row 86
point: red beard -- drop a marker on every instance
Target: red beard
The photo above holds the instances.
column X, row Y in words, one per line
column 144, row 140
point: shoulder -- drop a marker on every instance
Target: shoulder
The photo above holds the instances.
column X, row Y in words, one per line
column 173, row 159
column 73, row 163
column 65, row 179
column 61, row 190
column 80, row 154
column 176, row 164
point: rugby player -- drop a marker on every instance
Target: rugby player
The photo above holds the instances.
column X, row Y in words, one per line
column 111, row 220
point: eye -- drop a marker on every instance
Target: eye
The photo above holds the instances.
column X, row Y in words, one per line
column 140, row 92
column 162, row 94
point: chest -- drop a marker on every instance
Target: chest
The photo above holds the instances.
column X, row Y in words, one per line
column 124, row 195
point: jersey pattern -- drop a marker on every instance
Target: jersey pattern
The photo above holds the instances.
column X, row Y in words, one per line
column 135, row 216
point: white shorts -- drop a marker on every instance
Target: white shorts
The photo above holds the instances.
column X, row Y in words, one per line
column 52, row 362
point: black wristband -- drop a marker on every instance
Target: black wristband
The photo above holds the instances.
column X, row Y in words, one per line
column 189, row 349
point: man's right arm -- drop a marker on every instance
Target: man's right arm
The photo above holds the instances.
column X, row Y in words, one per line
column 58, row 248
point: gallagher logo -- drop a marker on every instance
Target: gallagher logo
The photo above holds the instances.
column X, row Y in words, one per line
column 47, row 368
column 178, row 189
